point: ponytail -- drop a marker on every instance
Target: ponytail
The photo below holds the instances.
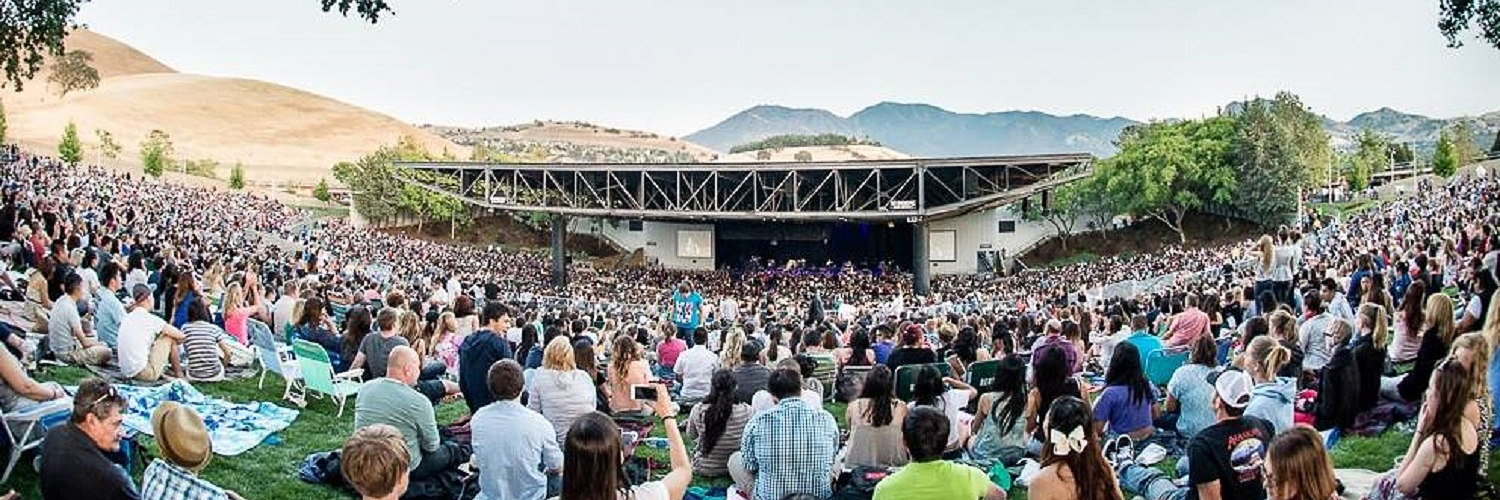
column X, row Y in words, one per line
column 1276, row 359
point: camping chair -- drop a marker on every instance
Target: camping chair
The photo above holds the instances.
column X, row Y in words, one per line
column 29, row 421
column 276, row 357
column 906, row 378
column 318, row 375
column 1162, row 363
column 982, row 374
column 825, row 372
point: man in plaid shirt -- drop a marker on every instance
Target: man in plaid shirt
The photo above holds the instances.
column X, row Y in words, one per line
column 788, row 449
column 185, row 450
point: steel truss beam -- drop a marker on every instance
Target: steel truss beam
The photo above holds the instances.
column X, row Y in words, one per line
column 915, row 189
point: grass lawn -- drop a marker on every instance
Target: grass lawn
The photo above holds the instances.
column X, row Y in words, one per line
column 269, row 470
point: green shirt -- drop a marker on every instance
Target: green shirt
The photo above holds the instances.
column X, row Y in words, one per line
column 935, row 480
column 388, row 401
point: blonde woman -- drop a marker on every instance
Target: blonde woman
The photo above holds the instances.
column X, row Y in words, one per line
column 1471, row 351
column 729, row 356
column 559, row 390
column 1369, row 352
column 445, row 327
column 1265, row 254
column 1437, row 337
column 236, row 312
column 1272, row 397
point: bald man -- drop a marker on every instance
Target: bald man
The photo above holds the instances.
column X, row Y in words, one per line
column 391, row 400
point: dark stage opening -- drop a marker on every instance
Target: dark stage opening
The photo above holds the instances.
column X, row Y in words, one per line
column 865, row 244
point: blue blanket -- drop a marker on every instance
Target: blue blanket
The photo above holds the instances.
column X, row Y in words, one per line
column 234, row 428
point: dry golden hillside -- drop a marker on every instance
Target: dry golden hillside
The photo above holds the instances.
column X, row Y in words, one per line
column 822, row 153
column 580, row 133
column 280, row 134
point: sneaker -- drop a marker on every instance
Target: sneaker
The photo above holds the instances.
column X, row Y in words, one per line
column 1111, row 453
column 1124, row 449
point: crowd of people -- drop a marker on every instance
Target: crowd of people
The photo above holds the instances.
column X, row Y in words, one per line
column 1380, row 320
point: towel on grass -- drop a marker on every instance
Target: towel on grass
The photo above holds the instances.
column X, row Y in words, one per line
column 234, row 428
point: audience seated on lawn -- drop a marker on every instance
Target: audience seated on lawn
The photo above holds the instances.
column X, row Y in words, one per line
column 76, row 459
column 1223, row 460
column 185, row 450
column 516, row 450
column 788, row 449
column 594, row 468
column 148, row 344
column 391, row 400
column 65, row 334
column 481, row 350
column 924, row 434
column 717, row 424
column 374, row 461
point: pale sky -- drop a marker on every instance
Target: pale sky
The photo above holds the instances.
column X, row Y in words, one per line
column 677, row 66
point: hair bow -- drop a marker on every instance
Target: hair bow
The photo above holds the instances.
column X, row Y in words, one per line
column 1063, row 444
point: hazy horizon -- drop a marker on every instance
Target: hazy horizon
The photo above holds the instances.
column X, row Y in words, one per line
column 676, row 67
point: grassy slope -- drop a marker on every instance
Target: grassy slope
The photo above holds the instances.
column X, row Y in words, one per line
column 269, row 471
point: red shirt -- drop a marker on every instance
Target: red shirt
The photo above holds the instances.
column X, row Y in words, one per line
column 668, row 351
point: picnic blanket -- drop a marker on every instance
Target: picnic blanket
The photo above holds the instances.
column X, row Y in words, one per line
column 233, row 428
column 111, row 372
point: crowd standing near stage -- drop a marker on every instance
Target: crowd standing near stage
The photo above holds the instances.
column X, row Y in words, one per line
column 1241, row 368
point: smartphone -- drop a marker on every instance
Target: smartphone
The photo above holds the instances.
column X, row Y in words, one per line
column 628, row 438
column 643, row 392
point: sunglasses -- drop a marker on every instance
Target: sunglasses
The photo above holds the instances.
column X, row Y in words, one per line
column 112, row 393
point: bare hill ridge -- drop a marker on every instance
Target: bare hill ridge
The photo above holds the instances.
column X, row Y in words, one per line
column 280, row 134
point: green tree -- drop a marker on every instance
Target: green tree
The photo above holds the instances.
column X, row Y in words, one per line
column 1062, row 212
column 1165, row 170
column 69, row 149
column 1444, row 158
column 2, row 121
column 1369, row 157
column 157, row 153
column 30, row 31
column 763, row 155
column 1494, row 149
column 802, row 156
column 237, row 176
column 1465, row 147
column 1401, row 152
column 321, row 192
column 380, row 194
column 1456, row 17
column 1279, row 147
column 74, row 70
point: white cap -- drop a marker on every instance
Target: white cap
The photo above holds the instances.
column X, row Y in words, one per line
column 1232, row 386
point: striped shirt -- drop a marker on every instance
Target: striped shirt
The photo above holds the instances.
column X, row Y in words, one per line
column 201, row 344
column 715, row 462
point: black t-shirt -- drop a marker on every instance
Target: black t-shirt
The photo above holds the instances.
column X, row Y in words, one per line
column 910, row 356
column 1230, row 452
column 73, row 467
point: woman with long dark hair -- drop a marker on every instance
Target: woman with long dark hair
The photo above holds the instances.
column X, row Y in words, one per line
column 1052, row 379
column 999, row 422
column 357, row 324
column 945, row 394
column 1073, row 466
column 1127, row 405
column 627, row 367
column 1408, row 327
column 316, row 327
column 716, row 425
column 595, row 465
column 875, row 423
column 1443, row 458
column 858, row 353
column 529, row 349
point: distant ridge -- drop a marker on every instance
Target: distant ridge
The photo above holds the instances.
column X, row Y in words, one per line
column 927, row 130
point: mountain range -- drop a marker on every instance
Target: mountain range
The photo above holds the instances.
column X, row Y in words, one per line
column 927, row 130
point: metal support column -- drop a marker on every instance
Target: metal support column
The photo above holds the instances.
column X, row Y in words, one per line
column 921, row 268
column 559, row 253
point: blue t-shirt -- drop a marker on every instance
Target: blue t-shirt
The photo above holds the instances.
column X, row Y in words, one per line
column 685, row 309
column 1123, row 415
column 1144, row 344
column 1195, row 397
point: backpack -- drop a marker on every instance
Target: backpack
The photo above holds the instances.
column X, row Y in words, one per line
column 862, row 482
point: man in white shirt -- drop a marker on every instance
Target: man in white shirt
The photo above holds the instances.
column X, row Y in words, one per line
column 729, row 309
column 281, row 311
column 696, row 367
column 147, row 342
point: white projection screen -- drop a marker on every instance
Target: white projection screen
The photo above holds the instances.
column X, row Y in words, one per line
column 695, row 244
column 942, row 246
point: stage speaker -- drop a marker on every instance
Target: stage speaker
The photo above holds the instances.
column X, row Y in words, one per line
column 1025, row 205
column 1046, row 199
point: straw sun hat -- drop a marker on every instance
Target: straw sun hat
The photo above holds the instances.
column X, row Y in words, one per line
column 181, row 435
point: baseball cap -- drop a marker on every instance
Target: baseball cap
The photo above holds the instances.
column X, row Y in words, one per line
column 1232, row 385
column 140, row 292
